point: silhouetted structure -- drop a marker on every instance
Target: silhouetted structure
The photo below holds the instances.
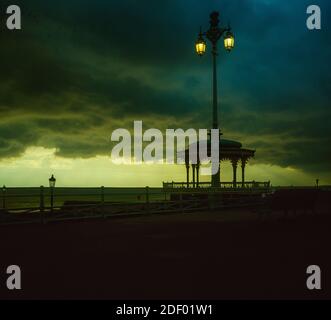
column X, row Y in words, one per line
column 228, row 150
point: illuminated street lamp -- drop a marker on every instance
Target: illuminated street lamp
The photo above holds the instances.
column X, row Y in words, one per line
column 229, row 41
column 52, row 182
column 200, row 45
column 214, row 34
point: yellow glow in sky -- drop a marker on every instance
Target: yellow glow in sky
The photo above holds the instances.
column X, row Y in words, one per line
column 37, row 164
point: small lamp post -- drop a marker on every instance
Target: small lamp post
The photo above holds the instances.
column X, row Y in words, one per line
column 214, row 34
column 52, row 182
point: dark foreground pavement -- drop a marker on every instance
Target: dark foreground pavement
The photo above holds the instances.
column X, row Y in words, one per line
column 190, row 256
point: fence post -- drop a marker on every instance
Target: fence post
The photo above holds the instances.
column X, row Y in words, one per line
column 42, row 204
column 147, row 198
column 181, row 203
column 103, row 201
column 4, row 191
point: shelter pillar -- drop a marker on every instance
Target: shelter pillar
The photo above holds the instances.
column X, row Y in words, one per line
column 243, row 166
column 187, row 175
column 234, row 163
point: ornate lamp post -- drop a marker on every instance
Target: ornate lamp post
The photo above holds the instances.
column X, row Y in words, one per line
column 52, row 182
column 214, row 34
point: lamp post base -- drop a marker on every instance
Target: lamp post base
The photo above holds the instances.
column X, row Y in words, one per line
column 216, row 179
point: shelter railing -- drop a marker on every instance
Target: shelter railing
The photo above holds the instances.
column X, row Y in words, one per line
column 223, row 185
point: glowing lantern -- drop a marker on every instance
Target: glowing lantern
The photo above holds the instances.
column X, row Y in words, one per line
column 229, row 41
column 200, row 45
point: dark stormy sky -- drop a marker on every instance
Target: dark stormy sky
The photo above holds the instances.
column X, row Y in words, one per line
column 79, row 69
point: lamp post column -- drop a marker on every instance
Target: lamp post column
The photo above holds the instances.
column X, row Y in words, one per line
column 193, row 173
column 52, row 198
column 198, row 173
column 216, row 178
column 215, row 95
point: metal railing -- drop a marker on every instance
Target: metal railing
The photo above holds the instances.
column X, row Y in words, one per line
column 35, row 205
column 41, row 198
column 223, row 185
